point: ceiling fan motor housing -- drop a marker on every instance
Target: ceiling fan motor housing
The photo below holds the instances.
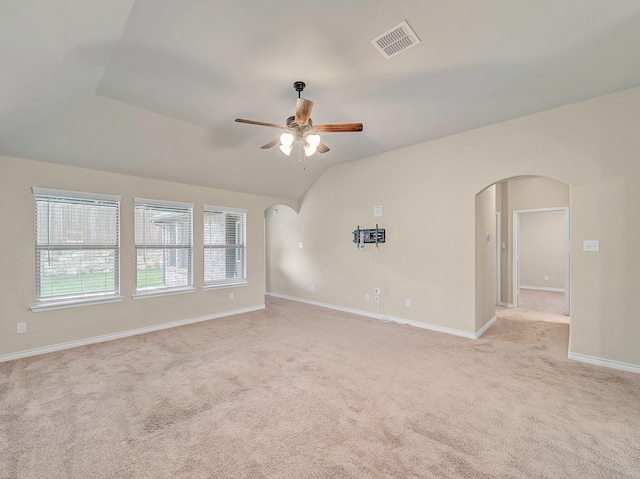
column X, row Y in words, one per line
column 300, row 131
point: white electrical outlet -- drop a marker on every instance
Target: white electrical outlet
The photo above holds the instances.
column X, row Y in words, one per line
column 313, row 288
column 546, row 277
column 407, row 303
column 591, row 245
column 376, row 290
column 231, row 296
column 376, row 299
column 300, row 245
column 366, row 296
column 21, row 328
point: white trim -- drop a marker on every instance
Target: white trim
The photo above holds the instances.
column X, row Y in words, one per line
column 165, row 292
column 506, row 305
column 39, row 308
column 515, row 260
column 541, row 288
column 485, row 327
column 123, row 334
column 224, row 285
column 382, row 317
column 543, row 210
column 607, row 363
column 223, row 209
column 567, row 261
column 498, row 255
column 75, row 194
column 149, row 202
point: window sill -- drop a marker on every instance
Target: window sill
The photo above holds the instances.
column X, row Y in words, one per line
column 225, row 285
column 164, row 292
column 38, row 308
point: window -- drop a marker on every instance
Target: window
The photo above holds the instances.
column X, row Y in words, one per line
column 163, row 246
column 77, row 248
column 224, row 246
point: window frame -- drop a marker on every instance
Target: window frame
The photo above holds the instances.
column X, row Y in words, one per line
column 226, row 283
column 69, row 300
column 168, row 206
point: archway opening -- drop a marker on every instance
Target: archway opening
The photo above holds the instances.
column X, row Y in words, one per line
column 522, row 247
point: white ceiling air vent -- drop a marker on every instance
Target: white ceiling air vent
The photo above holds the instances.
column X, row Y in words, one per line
column 396, row 40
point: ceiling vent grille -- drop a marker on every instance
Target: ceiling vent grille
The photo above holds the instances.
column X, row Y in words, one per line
column 396, row 40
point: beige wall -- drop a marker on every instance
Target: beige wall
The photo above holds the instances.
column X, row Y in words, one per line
column 423, row 240
column 428, row 196
column 485, row 257
column 17, row 274
column 502, row 206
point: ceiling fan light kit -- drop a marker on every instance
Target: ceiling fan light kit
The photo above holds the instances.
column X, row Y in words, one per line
column 313, row 140
column 286, row 143
column 300, row 128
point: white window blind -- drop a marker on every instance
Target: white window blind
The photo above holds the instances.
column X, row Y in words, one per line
column 224, row 246
column 163, row 242
column 77, row 246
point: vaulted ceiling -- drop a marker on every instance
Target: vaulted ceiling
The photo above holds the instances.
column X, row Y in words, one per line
column 152, row 87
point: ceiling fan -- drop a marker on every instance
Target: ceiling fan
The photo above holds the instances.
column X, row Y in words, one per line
column 300, row 128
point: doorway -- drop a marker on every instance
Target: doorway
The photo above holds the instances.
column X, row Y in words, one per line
column 524, row 195
column 541, row 259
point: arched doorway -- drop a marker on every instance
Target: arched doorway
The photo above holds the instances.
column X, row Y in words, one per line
column 531, row 212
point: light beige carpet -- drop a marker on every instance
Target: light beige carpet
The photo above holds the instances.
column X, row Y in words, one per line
column 549, row 302
column 536, row 306
column 297, row 391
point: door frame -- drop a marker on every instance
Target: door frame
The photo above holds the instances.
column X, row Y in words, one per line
column 516, row 254
column 498, row 251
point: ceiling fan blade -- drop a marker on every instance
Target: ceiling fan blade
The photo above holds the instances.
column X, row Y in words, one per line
column 322, row 148
column 303, row 111
column 339, row 127
column 271, row 144
column 260, row 123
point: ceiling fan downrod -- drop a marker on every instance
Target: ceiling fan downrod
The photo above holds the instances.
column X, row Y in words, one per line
column 298, row 86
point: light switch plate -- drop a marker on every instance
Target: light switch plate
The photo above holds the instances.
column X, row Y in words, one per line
column 591, row 245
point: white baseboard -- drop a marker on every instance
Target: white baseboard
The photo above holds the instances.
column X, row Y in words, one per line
column 369, row 314
column 605, row 362
column 485, row 327
column 123, row 334
column 506, row 305
column 542, row 288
